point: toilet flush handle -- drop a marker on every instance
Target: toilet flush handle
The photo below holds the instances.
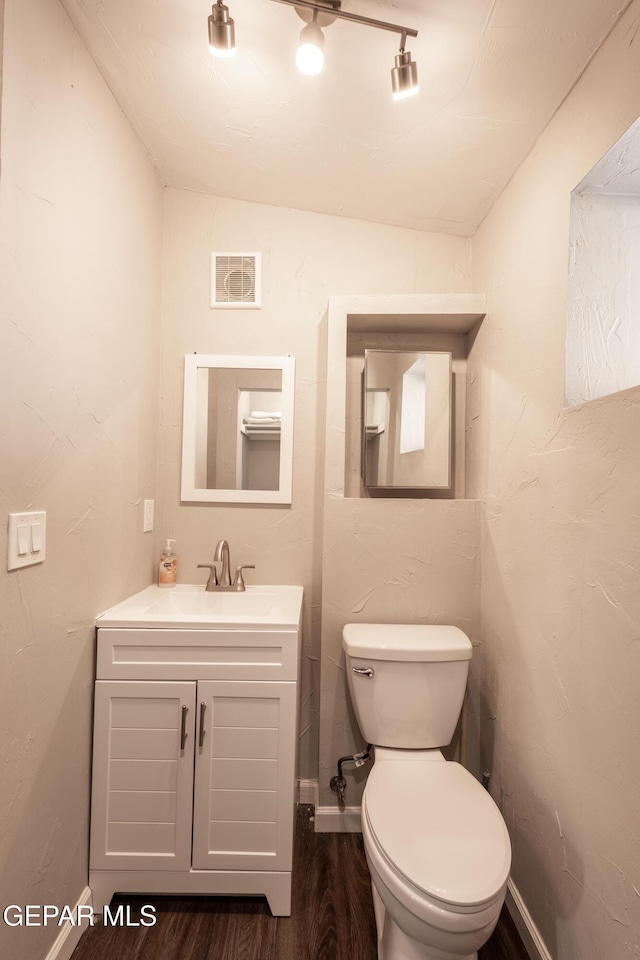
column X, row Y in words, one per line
column 363, row 671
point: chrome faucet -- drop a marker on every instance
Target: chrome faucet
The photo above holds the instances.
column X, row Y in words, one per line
column 222, row 553
column 223, row 583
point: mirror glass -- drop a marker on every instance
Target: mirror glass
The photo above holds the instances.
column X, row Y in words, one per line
column 237, row 441
column 407, row 419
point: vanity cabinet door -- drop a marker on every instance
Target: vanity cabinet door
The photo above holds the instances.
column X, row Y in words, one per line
column 244, row 775
column 142, row 775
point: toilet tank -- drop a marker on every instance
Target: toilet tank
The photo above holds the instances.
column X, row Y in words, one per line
column 407, row 681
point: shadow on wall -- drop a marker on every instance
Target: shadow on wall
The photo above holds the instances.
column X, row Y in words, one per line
column 356, row 777
column 477, row 725
column 498, row 726
column 34, row 838
column 531, row 854
column 313, row 599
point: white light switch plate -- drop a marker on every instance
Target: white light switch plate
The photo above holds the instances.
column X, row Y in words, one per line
column 147, row 523
column 27, row 539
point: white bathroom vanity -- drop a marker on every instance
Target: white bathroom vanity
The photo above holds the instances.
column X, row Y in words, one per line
column 194, row 751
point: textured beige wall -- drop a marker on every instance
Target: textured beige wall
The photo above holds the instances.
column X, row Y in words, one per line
column 80, row 233
column 387, row 561
column 558, row 670
column 306, row 258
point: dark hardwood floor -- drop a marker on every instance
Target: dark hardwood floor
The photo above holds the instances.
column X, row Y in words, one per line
column 332, row 916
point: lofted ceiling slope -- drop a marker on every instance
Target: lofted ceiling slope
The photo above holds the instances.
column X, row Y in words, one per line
column 492, row 74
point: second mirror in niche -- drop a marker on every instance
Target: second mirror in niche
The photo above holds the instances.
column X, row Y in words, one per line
column 407, row 419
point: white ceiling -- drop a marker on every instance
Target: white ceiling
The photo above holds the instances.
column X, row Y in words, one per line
column 492, row 74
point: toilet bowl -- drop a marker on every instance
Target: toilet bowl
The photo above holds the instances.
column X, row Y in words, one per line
column 439, row 856
column 436, row 845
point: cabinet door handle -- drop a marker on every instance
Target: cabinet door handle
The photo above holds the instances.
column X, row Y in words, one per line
column 183, row 727
column 203, row 707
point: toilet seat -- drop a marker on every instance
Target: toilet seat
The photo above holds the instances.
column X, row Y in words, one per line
column 439, row 831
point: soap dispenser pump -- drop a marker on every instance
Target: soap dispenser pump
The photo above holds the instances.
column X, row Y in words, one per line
column 168, row 566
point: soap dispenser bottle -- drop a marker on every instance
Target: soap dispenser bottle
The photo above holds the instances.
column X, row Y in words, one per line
column 168, row 566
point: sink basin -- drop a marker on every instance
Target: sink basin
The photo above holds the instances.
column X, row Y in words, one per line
column 189, row 605
column 198, row 602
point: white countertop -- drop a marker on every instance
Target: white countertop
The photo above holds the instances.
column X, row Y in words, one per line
column 190, row 606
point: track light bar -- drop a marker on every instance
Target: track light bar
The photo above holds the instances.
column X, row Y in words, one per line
column 310, row 57
column 332, row 8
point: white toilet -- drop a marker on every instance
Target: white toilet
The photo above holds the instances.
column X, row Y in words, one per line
column 436, row 844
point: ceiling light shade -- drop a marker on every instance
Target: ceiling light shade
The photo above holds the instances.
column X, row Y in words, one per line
column 310, row 55
column 222, row 38
column 404, row 76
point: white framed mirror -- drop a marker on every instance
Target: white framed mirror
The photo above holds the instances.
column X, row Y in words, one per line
column 237, row 430
column 407, row 419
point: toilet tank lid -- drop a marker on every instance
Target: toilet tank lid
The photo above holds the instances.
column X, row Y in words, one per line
column 406, row 641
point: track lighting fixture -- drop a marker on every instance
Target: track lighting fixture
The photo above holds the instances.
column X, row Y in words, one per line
column 222, row 39
column 310, row 55
column 404, row 75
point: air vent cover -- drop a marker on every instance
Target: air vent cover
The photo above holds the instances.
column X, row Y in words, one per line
column 236, row 280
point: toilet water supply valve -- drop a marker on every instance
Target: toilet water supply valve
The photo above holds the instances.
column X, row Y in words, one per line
column 338, row 783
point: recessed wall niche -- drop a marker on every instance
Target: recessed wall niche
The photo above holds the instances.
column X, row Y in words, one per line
column 603, row 303
column 437, row 332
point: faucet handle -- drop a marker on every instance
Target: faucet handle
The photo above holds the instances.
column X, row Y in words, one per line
column 213, row 575
column 238, row 580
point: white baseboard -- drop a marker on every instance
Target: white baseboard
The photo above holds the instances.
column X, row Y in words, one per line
column 338, row 820
column 529, row 933
column 308, row 792
column 69, row 935
column 329, row 819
